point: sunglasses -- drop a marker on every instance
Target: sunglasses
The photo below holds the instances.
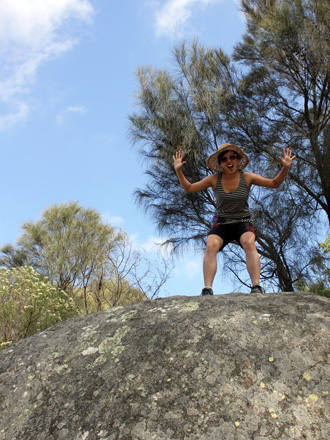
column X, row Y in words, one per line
column 231, row 157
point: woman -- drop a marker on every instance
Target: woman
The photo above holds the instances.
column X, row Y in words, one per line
column 232, row 221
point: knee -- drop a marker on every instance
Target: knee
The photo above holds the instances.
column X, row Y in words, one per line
column 212, row 248
column 249, row 245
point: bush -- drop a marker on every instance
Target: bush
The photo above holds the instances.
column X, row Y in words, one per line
column 29, row 304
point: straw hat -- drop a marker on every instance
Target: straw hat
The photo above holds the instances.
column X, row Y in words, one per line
column 213, row 163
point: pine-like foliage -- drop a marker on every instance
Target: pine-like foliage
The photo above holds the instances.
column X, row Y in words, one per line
column 286, row 54
column 207, row 99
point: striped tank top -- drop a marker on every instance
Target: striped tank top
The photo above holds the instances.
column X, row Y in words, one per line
column 232, row 207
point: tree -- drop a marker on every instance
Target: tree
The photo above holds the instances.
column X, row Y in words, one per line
column 286, row 57
column 320, row 283
column 81, row 255
column 128, row 276
column 131, row 270
column 195, row 110
column 29, row 304
column 67, row 245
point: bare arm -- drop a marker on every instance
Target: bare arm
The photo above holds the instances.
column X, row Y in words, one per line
column 255, row 179
column 186, row 185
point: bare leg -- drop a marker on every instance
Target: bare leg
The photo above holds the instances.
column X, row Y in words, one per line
column 213, row 244
column 252, row 257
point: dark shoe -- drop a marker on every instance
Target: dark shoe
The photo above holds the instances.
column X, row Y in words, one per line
column 257, row 289
column 207, row 291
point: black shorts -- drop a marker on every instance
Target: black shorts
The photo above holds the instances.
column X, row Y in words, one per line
column 231, row 232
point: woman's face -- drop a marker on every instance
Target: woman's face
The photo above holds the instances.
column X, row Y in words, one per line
column 229, row 161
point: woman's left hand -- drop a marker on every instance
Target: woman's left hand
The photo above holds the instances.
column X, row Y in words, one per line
column 288, row 158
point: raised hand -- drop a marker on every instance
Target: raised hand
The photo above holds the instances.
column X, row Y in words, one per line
column 288, row 158
column 177, row 158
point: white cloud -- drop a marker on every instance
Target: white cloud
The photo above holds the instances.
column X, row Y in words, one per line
column 192, row 268
column 156, row 245
column 172, row 17
column 71, row 109
column 31, row 33
column 112, row 220
column 189, row 266
column 19, row 112
column 152, row 245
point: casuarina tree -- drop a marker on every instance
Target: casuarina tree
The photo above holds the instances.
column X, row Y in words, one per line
column 196, row 108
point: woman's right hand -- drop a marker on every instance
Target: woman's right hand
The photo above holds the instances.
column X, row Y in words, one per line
column 177, row 158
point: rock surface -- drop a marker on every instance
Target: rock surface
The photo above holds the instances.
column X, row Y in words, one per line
column 229, row 367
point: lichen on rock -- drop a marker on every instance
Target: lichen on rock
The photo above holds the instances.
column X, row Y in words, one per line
column 230, row 367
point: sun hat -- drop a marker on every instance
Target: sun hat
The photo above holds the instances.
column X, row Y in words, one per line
column 213, row 163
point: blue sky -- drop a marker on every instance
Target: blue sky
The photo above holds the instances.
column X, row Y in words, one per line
column 67, row 87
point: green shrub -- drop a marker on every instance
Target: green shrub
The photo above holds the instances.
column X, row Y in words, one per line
column 29, row 304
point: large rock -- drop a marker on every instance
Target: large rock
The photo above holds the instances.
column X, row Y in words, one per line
column 231, row 367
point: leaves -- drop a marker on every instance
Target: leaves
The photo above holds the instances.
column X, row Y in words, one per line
column 94, row 263
column 29, row 304
column 272, row 93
